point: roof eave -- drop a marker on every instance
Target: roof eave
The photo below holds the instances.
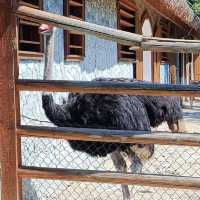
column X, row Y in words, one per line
column 177, row 11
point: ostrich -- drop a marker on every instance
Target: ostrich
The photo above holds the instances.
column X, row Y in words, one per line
column 159, row 108
column 99, row 111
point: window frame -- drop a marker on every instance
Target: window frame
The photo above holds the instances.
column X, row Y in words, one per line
column 67, row 34
column 132, row 7
column 30, row 55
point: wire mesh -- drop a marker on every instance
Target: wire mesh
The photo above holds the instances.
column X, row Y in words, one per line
column 62, row 190
column 166, row 160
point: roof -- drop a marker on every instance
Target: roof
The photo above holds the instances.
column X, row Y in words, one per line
column 177, row 11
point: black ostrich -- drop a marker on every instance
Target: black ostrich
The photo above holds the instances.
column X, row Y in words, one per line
column 159, row 108
column 122, row 112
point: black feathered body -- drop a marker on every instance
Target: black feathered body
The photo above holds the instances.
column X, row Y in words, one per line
column 120, row 112
column 159, row 108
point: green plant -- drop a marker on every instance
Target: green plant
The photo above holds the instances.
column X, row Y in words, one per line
column 195, row 5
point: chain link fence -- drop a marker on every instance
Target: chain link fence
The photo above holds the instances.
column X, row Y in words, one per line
column 40, row 152
column 62, row 190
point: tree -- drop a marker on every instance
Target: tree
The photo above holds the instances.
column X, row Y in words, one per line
column 195, row 4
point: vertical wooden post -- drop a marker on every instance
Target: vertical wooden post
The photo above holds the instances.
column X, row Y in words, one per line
column 7, row 101
column 139, row 53
column 139, row 65
column 172, row 62
column 197, row 67
column 192, row 67
column 156, row 59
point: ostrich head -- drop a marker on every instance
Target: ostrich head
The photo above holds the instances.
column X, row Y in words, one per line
column 45, row 29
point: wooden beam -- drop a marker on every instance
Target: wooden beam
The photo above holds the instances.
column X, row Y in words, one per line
column 122, row 37
column 166, row 46
column 103, row 135
column 7, row 101
column 111, row 177
column 77, row 25
column 109, row 87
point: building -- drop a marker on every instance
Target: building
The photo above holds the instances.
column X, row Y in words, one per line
column 81, row 57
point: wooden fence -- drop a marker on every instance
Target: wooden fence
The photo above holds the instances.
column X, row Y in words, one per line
column 12, row 131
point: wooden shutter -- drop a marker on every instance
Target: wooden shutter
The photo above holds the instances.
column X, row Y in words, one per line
column 30, row 41
column 74, row 45
column 126, row 22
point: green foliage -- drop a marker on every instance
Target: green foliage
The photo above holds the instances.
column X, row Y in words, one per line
column 195, row 4
column 196, row 7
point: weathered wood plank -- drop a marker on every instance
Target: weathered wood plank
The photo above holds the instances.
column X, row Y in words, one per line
column 77, row 25
column 7, row 101
column 170, row 46
column 122, row 37
column 104, row 87
column 103, row 135
column 111, row 177
column 159, row 39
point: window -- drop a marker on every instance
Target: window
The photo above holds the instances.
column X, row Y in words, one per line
column 32, row 3
column 165, row 29
column 74, row 48
column 126, row 22
column 30, row 41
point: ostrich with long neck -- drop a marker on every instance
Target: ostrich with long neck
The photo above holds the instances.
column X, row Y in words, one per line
column 98, row 111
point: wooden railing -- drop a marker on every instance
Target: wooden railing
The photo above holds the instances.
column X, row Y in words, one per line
column 12, row 131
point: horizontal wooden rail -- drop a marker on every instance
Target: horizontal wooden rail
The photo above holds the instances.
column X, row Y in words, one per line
column 110, row 177
column 126, row 38
column 109, row 88
column 103, row 135
column 77, row 25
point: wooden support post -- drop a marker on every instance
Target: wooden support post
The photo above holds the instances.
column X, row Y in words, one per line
column 156, row 60
column 7, row 101
column 197, row 67
column 172, row 62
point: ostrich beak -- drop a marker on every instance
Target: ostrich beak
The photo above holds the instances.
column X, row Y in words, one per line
column 45, row 29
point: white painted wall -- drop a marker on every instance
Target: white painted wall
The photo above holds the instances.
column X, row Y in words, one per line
column 147, row 55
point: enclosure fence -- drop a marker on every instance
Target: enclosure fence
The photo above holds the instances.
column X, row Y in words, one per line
column 12, row 131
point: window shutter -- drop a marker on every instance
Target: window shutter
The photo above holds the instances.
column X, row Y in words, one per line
column 30, row 41
column 126, row 22
column 74, row 46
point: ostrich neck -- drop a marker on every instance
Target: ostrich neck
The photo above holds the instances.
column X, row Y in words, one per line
column 48, row 57
column 58, row 114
